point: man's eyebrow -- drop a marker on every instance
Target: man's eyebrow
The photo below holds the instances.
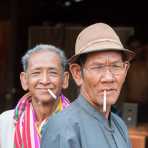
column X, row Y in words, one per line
column 36, row 68
column 39, row 68
column 103, row 62
column 52, row 68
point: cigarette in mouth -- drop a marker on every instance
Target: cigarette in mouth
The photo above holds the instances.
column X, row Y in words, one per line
column 52, row 94
column 104, row 101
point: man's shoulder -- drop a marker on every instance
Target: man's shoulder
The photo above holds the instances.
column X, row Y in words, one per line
column 7, row 126
column 121, row 126
column 6, row 119
column 62, row 119
column 67, row 114
column 63, row 124
column 7, row 114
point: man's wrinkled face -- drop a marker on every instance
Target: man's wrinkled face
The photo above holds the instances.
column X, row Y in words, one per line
column 102, row 71
column 44, row 72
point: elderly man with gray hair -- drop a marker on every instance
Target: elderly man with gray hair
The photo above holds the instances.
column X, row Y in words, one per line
column 99, row 68
column 43, row 79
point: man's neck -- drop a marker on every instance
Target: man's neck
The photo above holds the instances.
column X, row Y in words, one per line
column 105, row 114
column 43, row 111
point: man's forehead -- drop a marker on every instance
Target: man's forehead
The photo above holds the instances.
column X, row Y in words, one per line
column 44, row 59
column 104, row 55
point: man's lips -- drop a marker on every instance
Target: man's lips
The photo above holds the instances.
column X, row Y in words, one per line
column 47, row 90
column 108, row 90
column 43, row 89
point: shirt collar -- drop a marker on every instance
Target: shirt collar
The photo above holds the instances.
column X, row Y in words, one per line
column 87, row 107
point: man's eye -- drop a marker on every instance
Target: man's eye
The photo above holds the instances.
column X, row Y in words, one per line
column 118, row 65
column 53, row 73
column 35, row 73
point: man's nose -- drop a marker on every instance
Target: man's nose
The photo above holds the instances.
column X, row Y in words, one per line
column 44, row 78
column 107, row 75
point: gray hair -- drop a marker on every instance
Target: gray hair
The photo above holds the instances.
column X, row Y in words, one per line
column 43, row 47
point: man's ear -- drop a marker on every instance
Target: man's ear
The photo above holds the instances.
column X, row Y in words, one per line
column 75, row 70
column 24, row 82
column 127, row 68
column 66, row 80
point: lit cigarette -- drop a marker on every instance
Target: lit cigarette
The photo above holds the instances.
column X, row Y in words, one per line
column 104, row 101
column 52, row 94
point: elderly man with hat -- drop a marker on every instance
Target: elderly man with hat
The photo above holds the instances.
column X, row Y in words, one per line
column 99, row 68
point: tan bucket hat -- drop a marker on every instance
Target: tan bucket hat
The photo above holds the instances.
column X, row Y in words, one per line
column 98, row 37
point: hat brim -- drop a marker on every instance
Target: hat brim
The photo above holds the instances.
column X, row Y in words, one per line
column 128, row 53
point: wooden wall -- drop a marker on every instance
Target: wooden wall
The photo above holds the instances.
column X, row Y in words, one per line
column 6, row 66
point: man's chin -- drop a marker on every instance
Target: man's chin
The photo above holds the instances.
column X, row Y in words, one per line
column 110, row 100
column 46, row 100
